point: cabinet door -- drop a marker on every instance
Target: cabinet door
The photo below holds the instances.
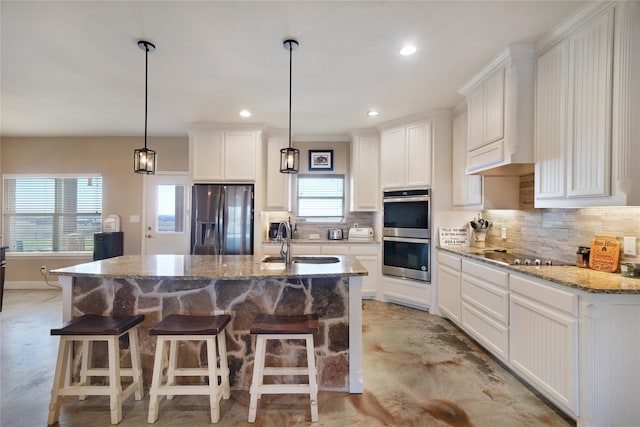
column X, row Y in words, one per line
column 365, row 194
column 393, row 158
column 370, row 282
column 449, row 281
column 544, row 345
column 551, row 119
column 494, row 107
column 278, row 184
column 590, row 71
column 467, row 189
column 206, row 155
column 240, row 156
column 418, row 154
column 475, row 110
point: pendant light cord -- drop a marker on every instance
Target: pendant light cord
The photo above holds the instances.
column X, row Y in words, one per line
column 290, row 74
column 146, row 73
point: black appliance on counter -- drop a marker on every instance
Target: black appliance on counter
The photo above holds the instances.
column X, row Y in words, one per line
column 108, row 245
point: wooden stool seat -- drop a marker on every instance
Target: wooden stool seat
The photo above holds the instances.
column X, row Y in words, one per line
column 280, row 327
column 179, row 327
column 88, row 329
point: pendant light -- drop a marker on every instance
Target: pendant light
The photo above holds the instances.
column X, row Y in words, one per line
column 290, row 157
column 144, row 159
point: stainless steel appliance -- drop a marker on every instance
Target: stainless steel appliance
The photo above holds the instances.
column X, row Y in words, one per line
column 222, row 219
column 334, row 234
column 407, row 213
column 406, row 234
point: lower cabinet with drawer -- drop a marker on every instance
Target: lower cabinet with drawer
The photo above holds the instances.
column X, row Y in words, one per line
column 544, row 339
column 485, row 307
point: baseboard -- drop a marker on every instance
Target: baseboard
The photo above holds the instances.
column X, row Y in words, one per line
column 31, row 285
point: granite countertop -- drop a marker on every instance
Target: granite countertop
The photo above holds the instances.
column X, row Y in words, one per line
column 583, row 279
column 198, row 267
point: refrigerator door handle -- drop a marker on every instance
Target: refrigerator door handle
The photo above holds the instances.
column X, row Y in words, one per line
column 224, row 207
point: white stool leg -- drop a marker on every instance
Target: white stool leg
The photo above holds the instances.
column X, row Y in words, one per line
column 155, row 381
column 173, row 361
column 58, row 380
column 313, row 386
column 115, row 385
column 87, row 357
column 134, row 351
column 256, row 381
column 212, row 365
column 224, row 365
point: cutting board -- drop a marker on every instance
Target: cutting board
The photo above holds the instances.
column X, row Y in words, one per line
column 605, row 254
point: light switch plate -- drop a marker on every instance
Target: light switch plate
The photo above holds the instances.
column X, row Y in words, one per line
column 503, row 233
column 629, row 246
column 134, row 218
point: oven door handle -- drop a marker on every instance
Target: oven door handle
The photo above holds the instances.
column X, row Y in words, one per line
column 407, row 199
column 406, row 240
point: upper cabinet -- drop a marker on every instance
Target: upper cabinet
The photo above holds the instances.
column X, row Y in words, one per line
column 476, row 192
column 364, row 156
column 220, row 155
column 278, row 184
column 406, row 155
column 587, row 128
column 500, row 101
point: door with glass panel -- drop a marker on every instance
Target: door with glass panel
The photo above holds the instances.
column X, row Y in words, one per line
column 167, row 218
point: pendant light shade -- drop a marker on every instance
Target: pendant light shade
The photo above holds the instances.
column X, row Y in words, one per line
column 144, row 159
column 290, row 157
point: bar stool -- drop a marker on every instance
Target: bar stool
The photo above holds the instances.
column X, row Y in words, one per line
column 178, row 327
column 278, row 327
column 88, row 329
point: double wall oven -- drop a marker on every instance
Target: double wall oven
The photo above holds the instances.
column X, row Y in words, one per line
column 406, row 234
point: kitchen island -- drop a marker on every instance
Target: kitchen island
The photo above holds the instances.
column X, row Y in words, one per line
column 239, row 285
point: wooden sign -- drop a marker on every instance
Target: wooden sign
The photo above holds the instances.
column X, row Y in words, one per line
column 454, row 237
column 605, row 254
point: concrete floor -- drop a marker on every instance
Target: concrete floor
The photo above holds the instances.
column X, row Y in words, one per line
column 419, row 370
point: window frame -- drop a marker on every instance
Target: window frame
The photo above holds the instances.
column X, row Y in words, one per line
column 321, row 219
column 57, row 253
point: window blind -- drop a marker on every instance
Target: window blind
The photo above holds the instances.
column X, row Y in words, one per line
column 51, row 214
column 321, row 198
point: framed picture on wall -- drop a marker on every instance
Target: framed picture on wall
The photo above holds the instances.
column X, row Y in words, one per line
column 320, row 160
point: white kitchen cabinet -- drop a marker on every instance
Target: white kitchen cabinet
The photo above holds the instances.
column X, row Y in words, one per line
column 278, row 190
column 586, row 120
column 476, row 192
column 365, row 158
column 406, row 156
column 408, row 292
column 485, row 306
column 220, row 155
column 449, row 285
column 544, row 339
column 500, row 101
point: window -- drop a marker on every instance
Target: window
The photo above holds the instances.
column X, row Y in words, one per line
column 321, row 198
column 51, row 214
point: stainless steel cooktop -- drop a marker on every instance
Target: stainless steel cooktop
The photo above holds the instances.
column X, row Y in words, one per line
column 516, row 258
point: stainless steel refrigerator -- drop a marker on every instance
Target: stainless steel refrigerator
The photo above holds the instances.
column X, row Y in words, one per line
column 222, row 219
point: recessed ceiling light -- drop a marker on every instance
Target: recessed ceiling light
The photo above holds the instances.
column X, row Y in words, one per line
column 372, row 113
column 408, row 50
column 245, row 113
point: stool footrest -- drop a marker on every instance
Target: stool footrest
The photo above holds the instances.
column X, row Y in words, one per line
column 186, row 390
column 104, row 372
column 284, row 389
column 292, row 370
column 196, row 372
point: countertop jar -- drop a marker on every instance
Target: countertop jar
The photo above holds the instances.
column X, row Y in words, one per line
column 582, row 256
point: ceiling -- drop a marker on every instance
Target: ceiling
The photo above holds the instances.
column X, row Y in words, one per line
column 74, row 68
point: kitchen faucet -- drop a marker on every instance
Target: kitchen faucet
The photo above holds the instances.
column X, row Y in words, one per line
column 286, row 255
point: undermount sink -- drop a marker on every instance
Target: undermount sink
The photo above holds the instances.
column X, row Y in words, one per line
column 303, row 259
